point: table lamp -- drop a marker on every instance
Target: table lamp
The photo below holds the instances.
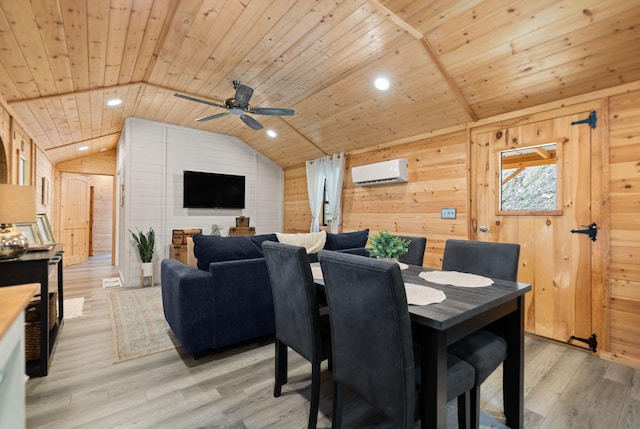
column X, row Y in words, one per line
column 17, row 204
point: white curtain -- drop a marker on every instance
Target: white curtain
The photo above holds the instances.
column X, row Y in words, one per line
column 331, row 169
column 334, row 171
column 315, row 188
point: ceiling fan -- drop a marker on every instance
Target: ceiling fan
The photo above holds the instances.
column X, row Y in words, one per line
column 239, row 105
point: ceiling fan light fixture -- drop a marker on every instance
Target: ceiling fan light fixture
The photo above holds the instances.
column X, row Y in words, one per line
column 382, row 83
column 114, row 102
column 272, row 133
column 239, row 105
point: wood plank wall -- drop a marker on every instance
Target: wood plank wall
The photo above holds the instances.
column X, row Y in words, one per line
column 437, row 179
column 624, row 269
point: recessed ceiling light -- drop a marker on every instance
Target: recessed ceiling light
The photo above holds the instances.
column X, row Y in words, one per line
column 382, row 83
column 114, row 102
column 81, row 148
column 271, row 133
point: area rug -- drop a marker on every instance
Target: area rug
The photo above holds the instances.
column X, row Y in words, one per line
column 138, row 327
column 73, row 307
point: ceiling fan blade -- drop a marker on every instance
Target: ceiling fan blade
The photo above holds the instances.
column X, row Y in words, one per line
column 243, row 95
column 199, row 100
column 273, row 111
column 208, row 118
column 251, row 122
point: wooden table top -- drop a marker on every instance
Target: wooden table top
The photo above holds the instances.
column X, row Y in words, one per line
column 13, row 300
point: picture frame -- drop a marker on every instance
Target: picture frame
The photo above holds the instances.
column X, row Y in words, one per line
column 31, row 231
column 44, row 229
column 45, row 191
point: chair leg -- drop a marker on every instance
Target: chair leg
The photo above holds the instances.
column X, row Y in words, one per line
column 281, row 367
column 338, row 393
column 464, row 402
column 315, row 394
column 475, row 406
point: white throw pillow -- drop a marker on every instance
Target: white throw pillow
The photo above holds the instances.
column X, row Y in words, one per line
column 313, row 242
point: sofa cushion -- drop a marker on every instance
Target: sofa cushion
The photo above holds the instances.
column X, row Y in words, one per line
column 213, row 248
column 259, row 239
column 347, row 240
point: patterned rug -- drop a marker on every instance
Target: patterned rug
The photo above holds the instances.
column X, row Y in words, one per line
column 138, row 327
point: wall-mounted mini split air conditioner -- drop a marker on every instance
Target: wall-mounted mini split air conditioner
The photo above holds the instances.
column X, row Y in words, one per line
column 381, row 173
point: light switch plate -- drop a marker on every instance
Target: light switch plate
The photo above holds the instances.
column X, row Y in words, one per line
column 447, row 213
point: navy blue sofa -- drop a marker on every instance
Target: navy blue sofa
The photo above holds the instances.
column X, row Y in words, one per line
column 228, row 299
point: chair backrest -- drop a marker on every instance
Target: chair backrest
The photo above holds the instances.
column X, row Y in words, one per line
column 495, row 260
column 294, row 298
column 415, row 255
column 371, row 332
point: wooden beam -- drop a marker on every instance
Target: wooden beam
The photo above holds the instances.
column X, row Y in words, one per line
column 74, row 93
column 427, row 47
column 88, row 141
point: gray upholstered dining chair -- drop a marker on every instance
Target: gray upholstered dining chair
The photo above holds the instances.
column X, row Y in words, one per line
column 484, row 350
column 299, row 322
column 415, row 255
column 373, row 352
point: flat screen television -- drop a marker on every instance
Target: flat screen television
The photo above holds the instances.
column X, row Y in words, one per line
column 213, row 191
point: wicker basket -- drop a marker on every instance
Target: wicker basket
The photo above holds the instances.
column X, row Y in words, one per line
column 32, row 325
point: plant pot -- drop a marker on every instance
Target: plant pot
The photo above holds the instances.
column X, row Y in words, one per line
column 147, row 269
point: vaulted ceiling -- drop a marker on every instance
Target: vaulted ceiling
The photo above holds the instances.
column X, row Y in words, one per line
column 449, row 62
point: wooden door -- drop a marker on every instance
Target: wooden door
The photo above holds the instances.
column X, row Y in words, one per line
column 74, row 209
column 554, row 260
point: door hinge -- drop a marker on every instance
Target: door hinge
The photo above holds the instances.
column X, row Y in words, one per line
column 592, row 341
column 592, row 120
column 591, row 231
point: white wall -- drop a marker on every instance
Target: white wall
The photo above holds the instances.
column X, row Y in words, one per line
column 151, row 160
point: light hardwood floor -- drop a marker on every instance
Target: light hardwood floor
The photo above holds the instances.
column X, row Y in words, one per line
column 564, row 387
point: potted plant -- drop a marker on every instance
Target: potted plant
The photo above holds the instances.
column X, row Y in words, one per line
column 146, row 246
column 385, row 245
column 216, row 229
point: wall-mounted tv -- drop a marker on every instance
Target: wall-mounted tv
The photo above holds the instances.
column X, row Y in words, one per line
column 213, row 191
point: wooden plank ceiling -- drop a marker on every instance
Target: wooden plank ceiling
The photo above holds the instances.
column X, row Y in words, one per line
column 449, row 62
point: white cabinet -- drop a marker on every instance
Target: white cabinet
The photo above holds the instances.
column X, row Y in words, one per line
column 13, row 300
column 12, row 376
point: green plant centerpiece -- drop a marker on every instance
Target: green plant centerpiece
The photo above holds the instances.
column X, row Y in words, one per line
column 216, row 229
column 386, row 245
column 145, row 243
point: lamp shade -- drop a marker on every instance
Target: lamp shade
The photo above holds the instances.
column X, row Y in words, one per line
column 17, row 204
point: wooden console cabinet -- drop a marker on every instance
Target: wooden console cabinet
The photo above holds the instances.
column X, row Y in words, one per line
column 36, row 267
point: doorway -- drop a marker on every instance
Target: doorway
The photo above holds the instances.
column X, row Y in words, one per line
column 555, row 261
column 86, row 215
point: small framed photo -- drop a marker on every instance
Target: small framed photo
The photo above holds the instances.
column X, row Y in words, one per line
column 44, row 229
column 30, row 230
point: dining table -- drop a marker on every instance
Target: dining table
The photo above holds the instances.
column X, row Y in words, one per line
column 498, row 306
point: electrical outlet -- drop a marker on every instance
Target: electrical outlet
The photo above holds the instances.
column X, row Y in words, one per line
column 447, row 213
